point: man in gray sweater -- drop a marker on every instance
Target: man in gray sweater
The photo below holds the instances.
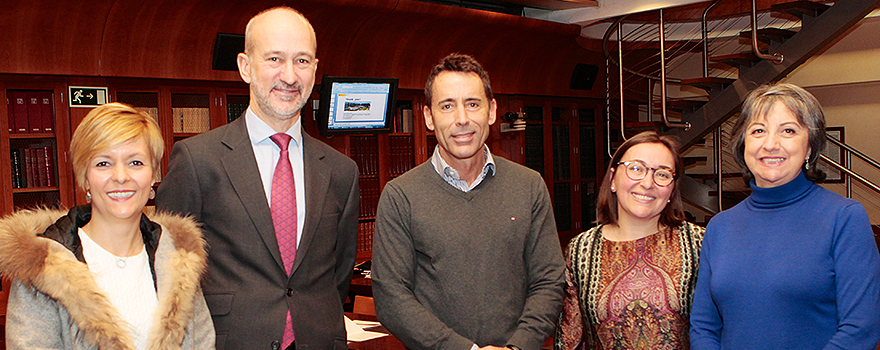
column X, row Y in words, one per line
column 466, row 254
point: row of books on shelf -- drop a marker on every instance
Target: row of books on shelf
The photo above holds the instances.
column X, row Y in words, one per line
column 401, row 154
column 369, row 197
column 365, row 152
column 30, row 112
column 365, row 236
column 33, row 167
column 191, row 119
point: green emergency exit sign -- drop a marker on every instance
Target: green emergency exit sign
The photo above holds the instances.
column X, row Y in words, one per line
column 85, row 96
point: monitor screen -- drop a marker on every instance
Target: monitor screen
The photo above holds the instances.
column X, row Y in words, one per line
column 356, row 105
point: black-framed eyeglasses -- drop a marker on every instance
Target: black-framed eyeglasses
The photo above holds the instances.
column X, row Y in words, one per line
column 637, row 170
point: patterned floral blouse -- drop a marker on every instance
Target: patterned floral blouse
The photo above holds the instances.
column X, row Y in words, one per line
column 632, row 294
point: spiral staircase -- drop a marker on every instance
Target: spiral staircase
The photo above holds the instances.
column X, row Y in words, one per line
column 690, row 78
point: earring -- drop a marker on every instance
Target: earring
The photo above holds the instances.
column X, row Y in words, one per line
column 88, row 196
column 806, row 165
column 152, row 193
column 613, row 189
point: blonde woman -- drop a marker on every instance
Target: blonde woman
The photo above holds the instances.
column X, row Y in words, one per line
column 107, row 275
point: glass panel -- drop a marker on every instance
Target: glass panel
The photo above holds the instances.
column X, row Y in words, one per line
column 432, row 143
column 535, row 147
column 190, row 113
column 142, row 101
column 403, row 119
column 33, row 163
column 588, row 151
column 236, row 105
column 562, row 205
column 365, row 152
column 587, row 115
column 588, row 203
column 558, row 114
column 369, row 197
column 561, row 153
column 534, row 113
column 401, row 154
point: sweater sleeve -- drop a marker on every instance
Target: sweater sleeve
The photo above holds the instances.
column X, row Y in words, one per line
column 857, row 271
column 393, row 274
column 543, row 259
column 706, row 325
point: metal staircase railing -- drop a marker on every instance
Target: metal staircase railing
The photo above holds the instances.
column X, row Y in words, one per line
column 817, row 30
column 846, row 168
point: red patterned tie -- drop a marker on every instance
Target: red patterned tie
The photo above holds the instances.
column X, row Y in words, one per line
column 284, row 216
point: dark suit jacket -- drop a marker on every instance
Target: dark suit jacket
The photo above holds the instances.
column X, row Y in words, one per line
column 214, row 177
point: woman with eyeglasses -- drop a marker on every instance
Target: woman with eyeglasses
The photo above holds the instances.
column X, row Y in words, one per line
column 629, row 280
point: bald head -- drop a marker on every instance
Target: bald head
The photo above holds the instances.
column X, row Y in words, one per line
column 281, row 15
column 279, row 63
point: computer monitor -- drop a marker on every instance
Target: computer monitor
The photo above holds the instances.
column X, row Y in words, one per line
column 356, row 105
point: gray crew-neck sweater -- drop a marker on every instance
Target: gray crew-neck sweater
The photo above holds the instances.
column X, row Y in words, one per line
column 451, row 269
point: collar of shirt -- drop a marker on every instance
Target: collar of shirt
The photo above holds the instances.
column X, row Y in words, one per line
column 259, row 132
column 451, row 175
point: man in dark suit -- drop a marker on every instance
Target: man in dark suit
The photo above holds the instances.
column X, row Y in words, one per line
column 281, row 250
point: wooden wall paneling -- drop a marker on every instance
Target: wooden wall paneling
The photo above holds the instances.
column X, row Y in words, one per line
column 168, row 39
column 6, row 168
column 166, row 124
column 52, row 37
column 62, row 143
column 336, row 24
column 420, row 130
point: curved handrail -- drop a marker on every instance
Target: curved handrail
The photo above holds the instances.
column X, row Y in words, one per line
column 777, row 58
column 705, row 30
column 669, row 124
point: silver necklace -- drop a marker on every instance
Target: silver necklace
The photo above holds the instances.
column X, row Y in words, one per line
column 120, row 262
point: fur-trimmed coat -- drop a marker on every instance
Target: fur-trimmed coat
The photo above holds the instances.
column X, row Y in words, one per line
column 55, row 303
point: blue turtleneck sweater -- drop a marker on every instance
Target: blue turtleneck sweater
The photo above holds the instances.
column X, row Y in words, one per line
column 791, row 267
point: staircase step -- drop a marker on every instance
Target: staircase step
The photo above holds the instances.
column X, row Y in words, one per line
column 708, row 83
column 768, row 35
column 737, row 60
column 801, row 9
column 681, row 105
column 642, row 126
column 688, row 161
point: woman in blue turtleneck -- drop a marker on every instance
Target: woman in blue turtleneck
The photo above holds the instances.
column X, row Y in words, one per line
column 794, row 266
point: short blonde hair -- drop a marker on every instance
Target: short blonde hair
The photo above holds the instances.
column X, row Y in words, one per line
column 111, row 125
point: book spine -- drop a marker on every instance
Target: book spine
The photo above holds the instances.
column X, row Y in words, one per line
column 46, row 112
column 49, row 166
column 16, row 169
column 40, row 166
column 20, row 111
column 31, row 170
column 35, row 119
column 9, row 113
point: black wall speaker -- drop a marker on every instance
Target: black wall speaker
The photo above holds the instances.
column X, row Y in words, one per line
column 226, row 49
column 584, row 76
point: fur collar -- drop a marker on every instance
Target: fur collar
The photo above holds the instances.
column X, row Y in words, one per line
column 52, row 269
